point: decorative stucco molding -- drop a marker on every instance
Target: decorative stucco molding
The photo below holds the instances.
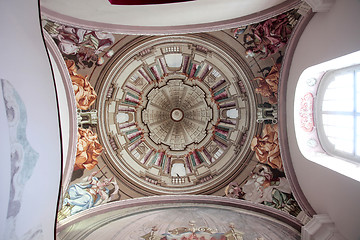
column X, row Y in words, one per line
column 320, row 5
column 180, row 199
column 70, row 154
column 282, row 101
column 164, row 30
column 321, row 227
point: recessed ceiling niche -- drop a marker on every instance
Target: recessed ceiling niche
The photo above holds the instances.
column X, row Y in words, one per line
column 179, row 114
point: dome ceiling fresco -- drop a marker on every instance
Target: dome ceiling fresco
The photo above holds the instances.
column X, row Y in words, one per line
column 177, row 120
column 177, row 114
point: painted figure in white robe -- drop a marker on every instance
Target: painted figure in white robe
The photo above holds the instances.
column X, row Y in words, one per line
column 89, row 193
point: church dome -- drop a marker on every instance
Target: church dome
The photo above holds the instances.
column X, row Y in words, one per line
column 179, row 113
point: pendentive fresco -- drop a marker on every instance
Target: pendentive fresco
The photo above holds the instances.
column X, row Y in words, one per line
column 182, row 114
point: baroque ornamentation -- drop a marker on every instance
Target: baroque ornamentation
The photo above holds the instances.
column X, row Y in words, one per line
column 85, row 94
column 266, row 147
column 177, row 114
column 306, row 112
column 88, row 149
column 268, row 85
column 193, row 232
column 90, row 192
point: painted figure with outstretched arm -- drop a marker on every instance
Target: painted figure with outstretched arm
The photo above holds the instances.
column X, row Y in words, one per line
column 89, row 193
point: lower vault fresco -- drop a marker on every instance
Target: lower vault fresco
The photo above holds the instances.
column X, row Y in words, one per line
column 181, row 221
column 186, row 114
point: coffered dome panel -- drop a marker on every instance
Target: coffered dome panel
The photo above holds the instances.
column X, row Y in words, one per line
column 178, row 114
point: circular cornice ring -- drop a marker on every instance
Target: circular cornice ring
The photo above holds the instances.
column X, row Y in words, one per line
column 201, row 159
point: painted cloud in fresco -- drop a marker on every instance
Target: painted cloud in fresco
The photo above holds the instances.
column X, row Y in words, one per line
column 23, row 160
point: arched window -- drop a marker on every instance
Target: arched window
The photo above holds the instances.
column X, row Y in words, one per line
column 327, row 114
column 174, row 60
column 178, row 169
column 338, row 112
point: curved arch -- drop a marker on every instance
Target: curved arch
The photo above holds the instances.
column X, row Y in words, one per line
column 312, row 141
column 283, row 139
column 177, row 29
column 178, row 200
column 70, row 106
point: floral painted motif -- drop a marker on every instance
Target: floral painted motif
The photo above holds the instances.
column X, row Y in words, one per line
column 22, row 161
column 306, row 112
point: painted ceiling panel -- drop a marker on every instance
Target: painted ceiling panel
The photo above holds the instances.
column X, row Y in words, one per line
column 177, row 114
column 179, row 221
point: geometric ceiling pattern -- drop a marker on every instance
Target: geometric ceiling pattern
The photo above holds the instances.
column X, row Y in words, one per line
column 177, row 120
column 177, row 114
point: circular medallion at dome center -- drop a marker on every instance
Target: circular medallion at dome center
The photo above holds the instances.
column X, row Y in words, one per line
column 177, row 115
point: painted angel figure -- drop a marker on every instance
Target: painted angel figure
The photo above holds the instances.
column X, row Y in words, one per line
column 88, row 149
column 266, row 147
column 85, row 94
column 84, row 45
column 89, row 193
column 268, row 86
column 233, row 234
column 268, row 36
column 259, row 188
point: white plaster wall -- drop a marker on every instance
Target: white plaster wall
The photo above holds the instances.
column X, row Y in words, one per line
column 194, row 12
column 25, row 65
column 64, row 110
column 327, row 36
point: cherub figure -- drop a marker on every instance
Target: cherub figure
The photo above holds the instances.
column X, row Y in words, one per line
column 268, row 36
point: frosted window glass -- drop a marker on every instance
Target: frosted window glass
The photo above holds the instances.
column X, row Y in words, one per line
column 338, row 120
column 345, row 146
column 357, row 149
column 340, row 111
column 358, row 91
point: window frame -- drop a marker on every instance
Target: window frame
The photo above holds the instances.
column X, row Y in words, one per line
column 326, row 80
column 306, row 118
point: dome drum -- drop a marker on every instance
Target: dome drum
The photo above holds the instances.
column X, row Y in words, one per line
column 180, row 121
